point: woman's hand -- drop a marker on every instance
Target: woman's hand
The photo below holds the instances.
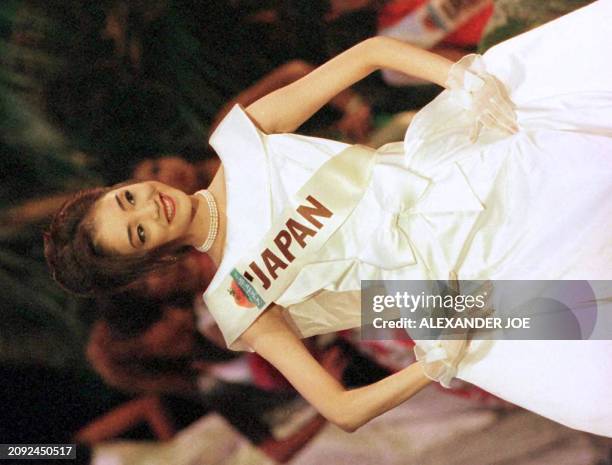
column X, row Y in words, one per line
column 483, row 95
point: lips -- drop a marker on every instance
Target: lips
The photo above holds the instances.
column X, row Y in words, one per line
column 169, row 206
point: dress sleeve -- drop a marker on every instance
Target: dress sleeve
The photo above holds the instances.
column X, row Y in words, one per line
column 236, row 136
column 288, row 159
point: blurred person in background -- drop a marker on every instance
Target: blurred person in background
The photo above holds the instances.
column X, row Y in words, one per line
column 178, row 172
column 449, row 28
column 137, row 350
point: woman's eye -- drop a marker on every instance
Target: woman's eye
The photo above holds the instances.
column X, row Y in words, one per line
column 129, row 197
column 141, row 233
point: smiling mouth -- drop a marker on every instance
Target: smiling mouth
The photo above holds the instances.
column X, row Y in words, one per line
column 169, row 206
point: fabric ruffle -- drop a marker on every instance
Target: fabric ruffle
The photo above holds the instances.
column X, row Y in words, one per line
column 440, row 358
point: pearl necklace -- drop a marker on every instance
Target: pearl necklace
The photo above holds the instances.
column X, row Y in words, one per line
column 214, row 221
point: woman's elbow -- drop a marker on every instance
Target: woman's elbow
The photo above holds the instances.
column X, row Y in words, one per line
column 341, row 422
column 348, row 426
column 346, row 419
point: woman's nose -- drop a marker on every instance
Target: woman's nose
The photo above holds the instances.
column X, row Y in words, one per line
column 150, row 209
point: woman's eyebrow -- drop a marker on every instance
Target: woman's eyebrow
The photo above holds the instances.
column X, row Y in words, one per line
column 129, row 232
column 119, row 202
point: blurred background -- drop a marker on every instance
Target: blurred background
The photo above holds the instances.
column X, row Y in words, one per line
column 97, row 92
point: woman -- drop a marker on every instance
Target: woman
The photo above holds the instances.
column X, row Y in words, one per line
column 434, row 205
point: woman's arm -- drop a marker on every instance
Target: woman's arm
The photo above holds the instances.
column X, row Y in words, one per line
column 354, row 123
column 272, row 338
column 285, row 109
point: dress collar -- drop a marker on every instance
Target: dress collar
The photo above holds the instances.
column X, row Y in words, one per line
column 242, row 150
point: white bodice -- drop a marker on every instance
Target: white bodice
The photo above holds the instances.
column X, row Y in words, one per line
column 408, row 224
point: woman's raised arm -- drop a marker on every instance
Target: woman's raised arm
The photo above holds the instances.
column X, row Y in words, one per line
column 272, row 338
column 285, row 109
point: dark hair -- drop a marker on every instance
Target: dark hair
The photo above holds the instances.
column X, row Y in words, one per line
column 83, row 268
column 130, row 313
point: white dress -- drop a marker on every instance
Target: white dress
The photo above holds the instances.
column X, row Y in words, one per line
column 535, row 205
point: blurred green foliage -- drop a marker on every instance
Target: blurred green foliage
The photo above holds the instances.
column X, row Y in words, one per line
column 38, row 321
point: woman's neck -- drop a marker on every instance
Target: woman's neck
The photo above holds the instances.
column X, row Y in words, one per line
column 217, row 189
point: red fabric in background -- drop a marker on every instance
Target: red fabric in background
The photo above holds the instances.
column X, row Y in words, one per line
column 265, row 376
column 467, row 35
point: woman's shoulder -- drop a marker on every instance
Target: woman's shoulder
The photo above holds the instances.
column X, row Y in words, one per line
column 243, row 183
column 236, row 135
column 239, row 137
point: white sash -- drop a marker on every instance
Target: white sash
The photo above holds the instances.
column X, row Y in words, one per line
column 317, row 210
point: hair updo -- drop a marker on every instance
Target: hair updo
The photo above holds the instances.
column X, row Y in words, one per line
column 82, row 267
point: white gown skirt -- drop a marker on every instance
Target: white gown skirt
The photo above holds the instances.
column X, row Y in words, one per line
column 557, row 184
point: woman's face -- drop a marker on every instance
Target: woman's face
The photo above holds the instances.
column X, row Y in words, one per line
column 140, row 217
column 173, row 171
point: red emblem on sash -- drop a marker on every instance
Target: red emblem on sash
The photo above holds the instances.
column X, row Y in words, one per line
column 239, row 296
